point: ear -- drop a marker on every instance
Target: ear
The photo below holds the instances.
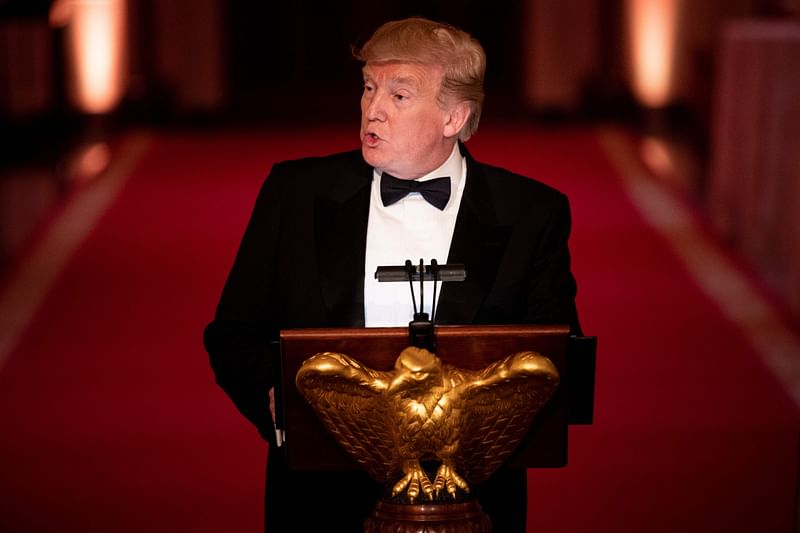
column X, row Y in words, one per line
column 455, row 119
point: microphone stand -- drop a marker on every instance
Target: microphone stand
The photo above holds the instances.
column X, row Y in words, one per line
column 421, row 331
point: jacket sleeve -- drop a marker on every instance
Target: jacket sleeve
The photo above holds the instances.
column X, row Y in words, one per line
column 552, row 287
column 243, row 364
column 240, row 339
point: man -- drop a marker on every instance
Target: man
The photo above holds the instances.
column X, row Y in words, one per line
column 321, row 225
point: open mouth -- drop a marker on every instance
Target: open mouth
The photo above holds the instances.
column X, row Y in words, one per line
column 371, row 139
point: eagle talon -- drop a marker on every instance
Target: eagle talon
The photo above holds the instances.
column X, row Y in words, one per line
column 446, row 477
column 414, row 480
column 400, row 485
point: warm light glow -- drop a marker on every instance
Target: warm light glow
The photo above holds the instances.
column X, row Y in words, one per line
column 95, row 46
column 652, row 26
column 90, row 161
column 656, row 156
column 60, row 13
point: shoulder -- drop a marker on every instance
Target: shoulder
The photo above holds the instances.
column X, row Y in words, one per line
column 515, row 193
column 317, row 175
column 505, row 179
column 504, row 183
column 319, row 165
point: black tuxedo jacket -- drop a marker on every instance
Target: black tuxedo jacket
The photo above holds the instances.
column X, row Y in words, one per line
column 301, row 264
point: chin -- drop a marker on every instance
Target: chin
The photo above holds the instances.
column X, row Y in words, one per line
column 370, row 156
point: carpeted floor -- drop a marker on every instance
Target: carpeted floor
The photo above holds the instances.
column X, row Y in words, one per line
column 110, row 419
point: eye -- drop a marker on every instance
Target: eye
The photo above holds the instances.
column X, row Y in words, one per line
column 368, row 88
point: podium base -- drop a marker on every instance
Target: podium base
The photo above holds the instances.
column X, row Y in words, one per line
column 466, row 517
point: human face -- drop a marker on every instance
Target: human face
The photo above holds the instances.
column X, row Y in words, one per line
column 404, row 130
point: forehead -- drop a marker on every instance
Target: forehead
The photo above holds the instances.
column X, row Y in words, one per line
column 413, row 74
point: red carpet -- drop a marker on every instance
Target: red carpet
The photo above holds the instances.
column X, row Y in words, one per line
column 110, row 419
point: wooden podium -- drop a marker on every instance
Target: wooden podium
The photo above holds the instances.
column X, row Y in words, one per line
column 309, row 446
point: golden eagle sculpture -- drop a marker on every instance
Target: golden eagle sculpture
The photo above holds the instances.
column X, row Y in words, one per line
column 468, row 421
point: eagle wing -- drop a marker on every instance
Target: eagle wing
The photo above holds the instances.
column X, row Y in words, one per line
column 502, row 401
column 347, row 398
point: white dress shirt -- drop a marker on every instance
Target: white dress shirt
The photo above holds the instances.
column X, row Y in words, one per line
column 409, row 229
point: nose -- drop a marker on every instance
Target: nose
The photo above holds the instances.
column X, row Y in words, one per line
column 374, row 106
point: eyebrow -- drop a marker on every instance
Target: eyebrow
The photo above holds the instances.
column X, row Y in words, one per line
column 403, row 80
column 406, row 80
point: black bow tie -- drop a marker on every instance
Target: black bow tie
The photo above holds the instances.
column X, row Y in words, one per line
column 435, row 191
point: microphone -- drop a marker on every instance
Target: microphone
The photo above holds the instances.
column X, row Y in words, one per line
column 420, row 329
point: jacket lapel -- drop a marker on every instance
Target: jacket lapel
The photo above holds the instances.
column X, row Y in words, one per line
column 340, row 219
column 478, row 243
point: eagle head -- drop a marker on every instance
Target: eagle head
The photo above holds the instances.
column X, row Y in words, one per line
column 415, row 367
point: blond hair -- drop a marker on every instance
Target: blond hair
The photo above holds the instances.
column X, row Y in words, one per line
column 419, row 40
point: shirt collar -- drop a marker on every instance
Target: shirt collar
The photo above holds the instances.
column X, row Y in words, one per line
column 453, row 167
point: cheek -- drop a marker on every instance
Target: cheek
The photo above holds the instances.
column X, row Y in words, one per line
column 426, row 131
